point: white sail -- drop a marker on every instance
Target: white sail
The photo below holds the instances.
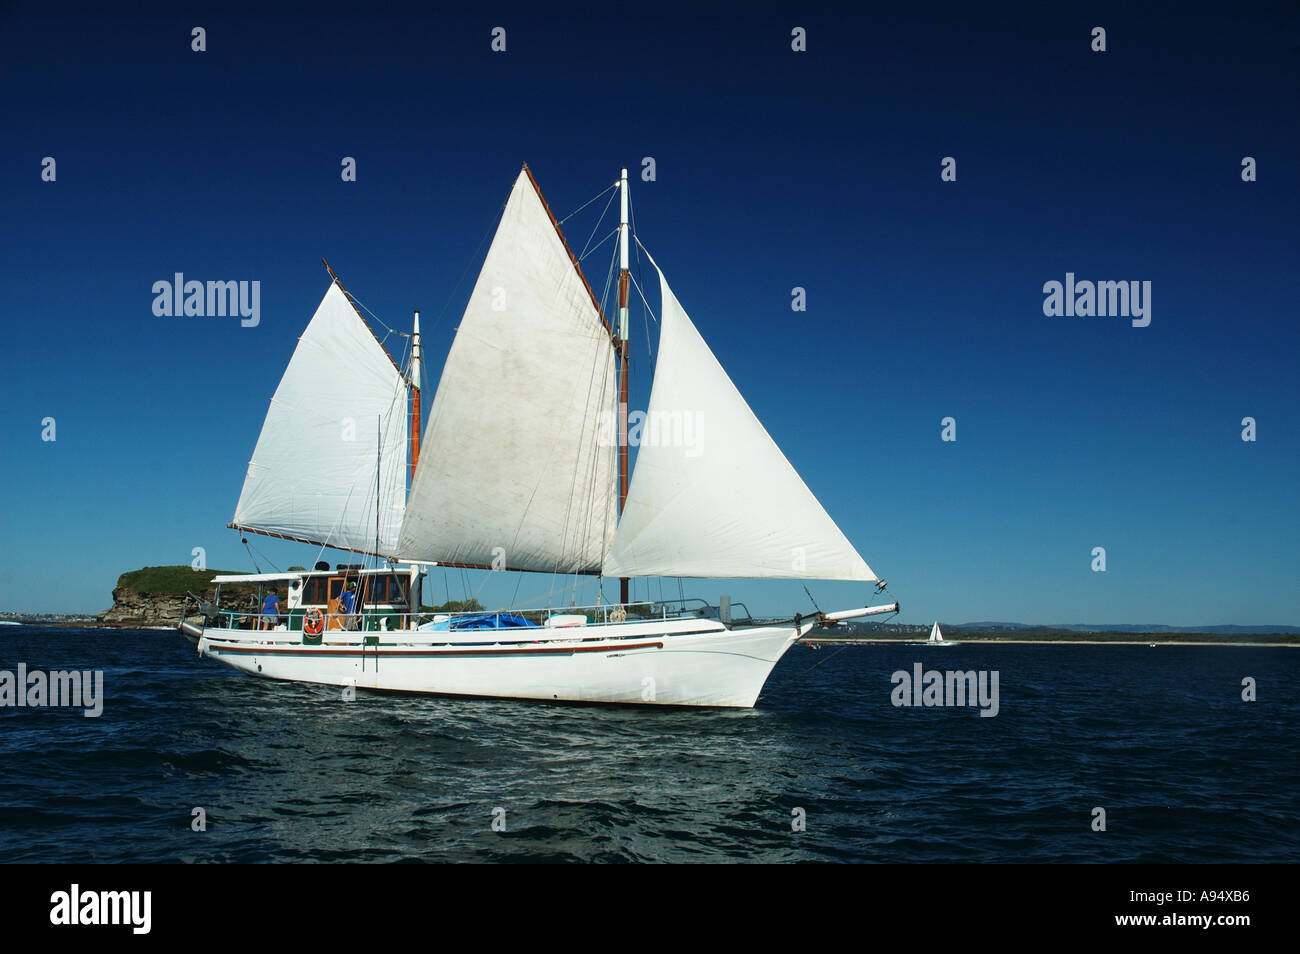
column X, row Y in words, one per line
column 935, row 635
column 516, row 469
column 332, row 452
column 712, row 495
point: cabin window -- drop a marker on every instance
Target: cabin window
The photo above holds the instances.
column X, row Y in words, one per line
column 385, row 590
column 313, row 591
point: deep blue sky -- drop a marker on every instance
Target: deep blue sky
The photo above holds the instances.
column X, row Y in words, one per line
column 775, row 169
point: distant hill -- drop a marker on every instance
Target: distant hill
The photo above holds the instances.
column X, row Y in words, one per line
column 154, row 595
column 174, row 580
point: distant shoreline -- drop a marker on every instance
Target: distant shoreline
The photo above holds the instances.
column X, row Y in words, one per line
column 1283, row 640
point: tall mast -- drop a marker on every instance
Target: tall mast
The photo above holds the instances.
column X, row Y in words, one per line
column 622, row 363
column 415, row 395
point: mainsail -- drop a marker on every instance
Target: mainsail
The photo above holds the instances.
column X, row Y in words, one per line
column 712, row 495
column 516, row 468
column 330, row 464
column 519, row 463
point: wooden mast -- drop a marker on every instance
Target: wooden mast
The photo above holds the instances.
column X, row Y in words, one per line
column 622, row 362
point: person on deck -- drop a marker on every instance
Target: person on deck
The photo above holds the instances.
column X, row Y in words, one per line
column 270, row 610
column 348, row 603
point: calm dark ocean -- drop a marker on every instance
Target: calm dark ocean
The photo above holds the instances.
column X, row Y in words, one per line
column 1160, row 738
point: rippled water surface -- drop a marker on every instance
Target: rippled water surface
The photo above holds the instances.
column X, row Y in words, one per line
column 1159, row 737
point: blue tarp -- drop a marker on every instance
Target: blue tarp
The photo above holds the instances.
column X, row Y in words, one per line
column 480, row 621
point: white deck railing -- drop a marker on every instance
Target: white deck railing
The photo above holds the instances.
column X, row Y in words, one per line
column 378, row 620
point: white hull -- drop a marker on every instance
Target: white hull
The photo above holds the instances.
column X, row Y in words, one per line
column 683, row 662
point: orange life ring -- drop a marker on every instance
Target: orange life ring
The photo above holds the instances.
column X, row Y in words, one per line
column 313, row 622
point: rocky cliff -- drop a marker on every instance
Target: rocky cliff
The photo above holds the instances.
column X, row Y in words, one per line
column 154, row 595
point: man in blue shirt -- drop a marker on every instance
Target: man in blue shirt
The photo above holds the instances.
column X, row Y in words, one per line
column 348, row 603
column 270, row 610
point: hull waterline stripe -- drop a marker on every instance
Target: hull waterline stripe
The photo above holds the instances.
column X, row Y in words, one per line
column 372, row 651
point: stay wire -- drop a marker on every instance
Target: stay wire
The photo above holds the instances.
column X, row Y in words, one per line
column 591, row 200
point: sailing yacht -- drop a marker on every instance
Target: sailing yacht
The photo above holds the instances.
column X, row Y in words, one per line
column 523, row 465
column 936, row 637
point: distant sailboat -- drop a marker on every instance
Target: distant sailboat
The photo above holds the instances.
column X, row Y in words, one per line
column 936, row 637
column 520, row 469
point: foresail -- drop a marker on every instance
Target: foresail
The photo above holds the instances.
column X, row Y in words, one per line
column 712, row 495
column 330, row 464
column 518, row 462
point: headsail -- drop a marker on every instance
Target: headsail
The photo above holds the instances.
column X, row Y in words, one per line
column 712, row 495
column 330, row 464
column 516, row 470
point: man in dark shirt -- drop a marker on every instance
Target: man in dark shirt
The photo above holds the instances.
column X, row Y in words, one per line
column 270, row 610
column 348, row 603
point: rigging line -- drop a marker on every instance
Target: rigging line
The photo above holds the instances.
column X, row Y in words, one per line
column 609, row 276
column 244, row 539
column 379, row 460
column 645, row 307
column 336, row 527
column 646, row 250
column 593, row 248
column 645, row 304
column 603, row 213
column 469, row 264
column 582, row 522
column 583, row 530
column 542, row 474
column 329, row 536
column 487, row 576
column 534, row 601
column 391, row 331
column 610, row 460
column 263, row 556
column 589, row 201
column 820, row 661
